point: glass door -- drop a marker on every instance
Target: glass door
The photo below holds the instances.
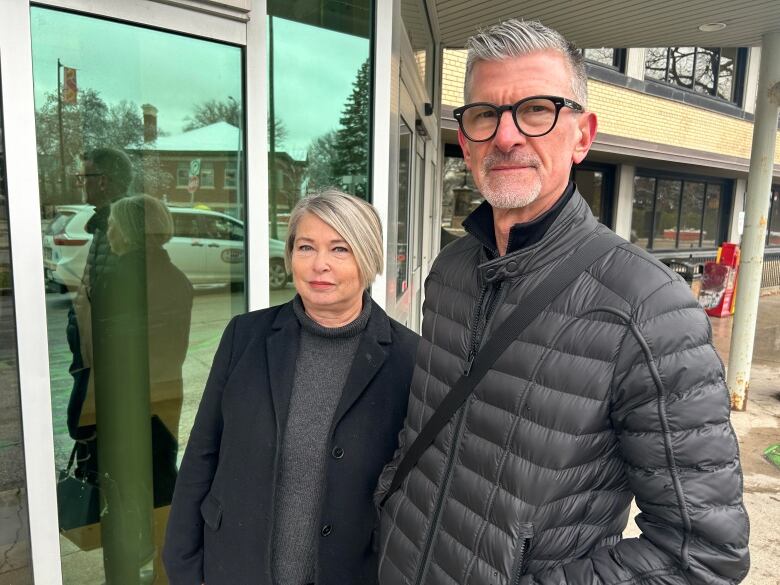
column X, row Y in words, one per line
column 140, row 146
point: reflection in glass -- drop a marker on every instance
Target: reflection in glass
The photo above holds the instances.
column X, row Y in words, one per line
column 691, row 214
column 727, row 65
column 681, row 66
column 602, row 55
column 710, row 225
column 402, row 225
column 418, row 28
column 706, row 68
column 642, row 211
column 15, row 565
column 656, row 61
column 136, row 213
column 459, row 198
column 319, row 103
column 667, row 207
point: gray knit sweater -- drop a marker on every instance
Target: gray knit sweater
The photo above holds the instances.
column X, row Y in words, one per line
column 324, row 359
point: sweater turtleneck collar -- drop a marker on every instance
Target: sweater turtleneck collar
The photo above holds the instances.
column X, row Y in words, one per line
column 349, row 330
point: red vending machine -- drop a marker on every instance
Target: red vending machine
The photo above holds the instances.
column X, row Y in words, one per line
column 719, row 282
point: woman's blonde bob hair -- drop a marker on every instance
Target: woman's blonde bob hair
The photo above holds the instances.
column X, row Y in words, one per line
column 143, row 221
column 354, row 219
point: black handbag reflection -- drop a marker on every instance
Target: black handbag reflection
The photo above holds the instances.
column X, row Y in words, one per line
column 78, row 491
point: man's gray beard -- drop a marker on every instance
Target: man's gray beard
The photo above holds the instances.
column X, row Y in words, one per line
column 506, row 196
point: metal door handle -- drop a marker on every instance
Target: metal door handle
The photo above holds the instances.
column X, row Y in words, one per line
column 213, row 245
column 197, row 244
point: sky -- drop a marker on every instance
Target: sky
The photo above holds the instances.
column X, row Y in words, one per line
column 314, row 69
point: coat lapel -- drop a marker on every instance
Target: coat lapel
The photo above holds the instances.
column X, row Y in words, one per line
column 281, row 348
column 370, row 355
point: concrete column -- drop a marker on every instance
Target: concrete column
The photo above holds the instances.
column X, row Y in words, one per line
column 624, row 201
column 740, row 188
column 751, row 79
column 762, row 156
column 635, row 63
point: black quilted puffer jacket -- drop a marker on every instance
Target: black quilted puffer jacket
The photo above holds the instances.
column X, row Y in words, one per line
column 615, row 391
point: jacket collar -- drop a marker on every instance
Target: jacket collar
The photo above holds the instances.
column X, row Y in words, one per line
column 573, row 222
column 282, row 351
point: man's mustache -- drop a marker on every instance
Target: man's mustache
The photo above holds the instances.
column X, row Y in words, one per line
column 517, row 158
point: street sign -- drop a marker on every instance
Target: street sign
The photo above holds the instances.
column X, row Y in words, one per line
column 194, row 167
column 193, row 184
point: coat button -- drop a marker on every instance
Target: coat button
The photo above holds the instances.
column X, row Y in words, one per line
column 326, row 530
column 337, row 452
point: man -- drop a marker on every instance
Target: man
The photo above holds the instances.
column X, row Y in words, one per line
column 106, row 177
column 614, row 392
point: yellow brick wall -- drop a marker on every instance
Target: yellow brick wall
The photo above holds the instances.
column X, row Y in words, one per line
column 632, row 114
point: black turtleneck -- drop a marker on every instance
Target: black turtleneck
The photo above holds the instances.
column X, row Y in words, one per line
column 522, row 235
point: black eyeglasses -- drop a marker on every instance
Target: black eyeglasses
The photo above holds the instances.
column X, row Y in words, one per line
column 534, row 116
column 81, row 178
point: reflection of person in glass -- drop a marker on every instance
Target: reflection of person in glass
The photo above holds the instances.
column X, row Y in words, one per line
column 141, row 316
column 106, row 177
column 300, row 411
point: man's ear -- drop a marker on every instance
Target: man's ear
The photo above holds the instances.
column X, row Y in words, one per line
column 464, row 146
column 587, row 126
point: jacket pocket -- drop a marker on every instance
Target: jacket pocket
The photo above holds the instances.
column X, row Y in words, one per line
column 524, row 534
column 211, row 510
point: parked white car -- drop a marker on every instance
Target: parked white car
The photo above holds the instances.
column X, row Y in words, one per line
column 207, row 246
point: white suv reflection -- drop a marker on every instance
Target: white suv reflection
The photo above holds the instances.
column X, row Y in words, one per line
column 207, row 246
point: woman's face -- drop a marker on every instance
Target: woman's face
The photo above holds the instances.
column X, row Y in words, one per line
column 324, row 269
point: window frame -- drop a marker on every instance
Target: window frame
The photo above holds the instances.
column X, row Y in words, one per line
column 738, row 84
column 618, row 59
column 724, row 207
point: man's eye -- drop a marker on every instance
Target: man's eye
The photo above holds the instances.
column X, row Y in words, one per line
column 485, row 115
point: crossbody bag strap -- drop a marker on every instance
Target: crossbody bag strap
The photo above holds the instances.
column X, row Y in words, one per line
column 542, row 296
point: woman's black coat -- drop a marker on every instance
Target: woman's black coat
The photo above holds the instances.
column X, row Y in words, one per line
column 221, row 522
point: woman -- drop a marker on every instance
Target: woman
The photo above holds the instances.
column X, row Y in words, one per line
column 301, row 410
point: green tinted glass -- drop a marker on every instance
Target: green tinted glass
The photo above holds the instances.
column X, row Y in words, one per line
column 140, row 141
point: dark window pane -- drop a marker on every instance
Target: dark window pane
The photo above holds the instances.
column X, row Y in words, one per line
column 460, row 197
column 591, row 187
column 642, row 214
column 655, row 63
column 710, row 236
column 131, row 364
column 404, row 192
column 319, row 104
column 773, row 237
column 681, row 66
column 691, row 214
column 726, row 73
column 14, row 535
column 667, row 205
column 706, row 63
column 603, row 55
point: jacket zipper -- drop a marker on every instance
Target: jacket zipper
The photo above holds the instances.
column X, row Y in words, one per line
column 476, row 339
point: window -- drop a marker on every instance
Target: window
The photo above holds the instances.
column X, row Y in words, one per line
column 207, row 175
column 614, row 58
column 319, row 107
column 773, row 229
column 677, row 213
column 595, row 183
column 182, row 175
column 718, row 72
column 231, row 178
column 136, row 322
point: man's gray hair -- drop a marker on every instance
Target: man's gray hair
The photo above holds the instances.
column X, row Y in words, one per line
column 115, row 165
column 353, row 219
column 515, row 38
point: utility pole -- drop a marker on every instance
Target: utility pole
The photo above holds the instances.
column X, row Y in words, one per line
column 59, row 124
column 762, row 155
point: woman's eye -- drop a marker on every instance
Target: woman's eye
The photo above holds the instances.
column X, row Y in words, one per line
column 305, row 248
column 341, row 250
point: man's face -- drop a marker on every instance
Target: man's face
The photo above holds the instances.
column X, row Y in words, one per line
column 95, row 184
column 512, row 170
